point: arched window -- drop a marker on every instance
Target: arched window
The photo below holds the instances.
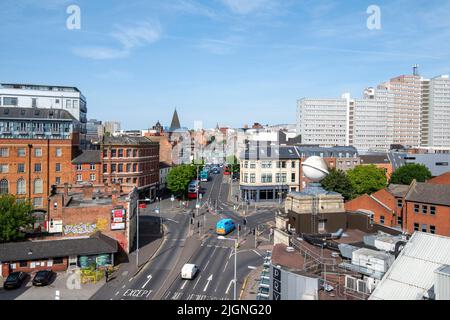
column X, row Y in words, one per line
column 21, row 186
column 4, row 186
column 38, row 186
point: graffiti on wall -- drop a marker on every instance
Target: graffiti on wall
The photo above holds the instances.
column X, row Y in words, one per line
column 79, row 229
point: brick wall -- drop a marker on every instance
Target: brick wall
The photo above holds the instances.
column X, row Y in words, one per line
column 440, row 220
column 365, row 202
column 86, row 173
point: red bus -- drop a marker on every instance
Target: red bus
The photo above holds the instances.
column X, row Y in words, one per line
column 227, row 171
column 193, row 189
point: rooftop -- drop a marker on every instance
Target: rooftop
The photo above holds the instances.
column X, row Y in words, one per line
column 375, row 159
column 98, row 243
column 438, row 194
column 35, row 113
column 88, row 156
column 127, row 140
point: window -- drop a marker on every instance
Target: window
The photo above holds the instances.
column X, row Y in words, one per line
column 79, row 177
column 58, row 260
column 105, row 153
column 58, row 167
column 433, row 211
column 245, row 164
column 281, row 164
column 113, row 153
column 120, row 167
column 433, row 229
column 37, row 202
column 4, row 168
column 266, row 178
column 21, row 152
column 113, row 168
column 21, row 186
column 105, row 168
column 293, row 165
column 135, row 153
column 128, row 167
column 442, row 164
column 4, row 186
column 92, row 166
column 8, row 101
column 58, row 181
column 93, row 178
column 21, row 168
column 33, row 102
column 134, row 167
column 38, row 186
column 416, row 227
column 252, row 178
column 37, row 167
column 399, row 221
column 120, row 153
column 68, row 104
column 424, row 209
column 293, row 177
column 129, row 152
column 58, row 152
column 252, row 165
column 399, row 203
column 79, row 167
column 266, row 164
column 381, row 219
column 416, row 208
column 38, row 152
column 4, row 152
column 245, row 178
column 424, row 228
column 23, row 264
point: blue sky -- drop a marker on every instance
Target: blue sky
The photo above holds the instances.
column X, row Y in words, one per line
column 227, row 61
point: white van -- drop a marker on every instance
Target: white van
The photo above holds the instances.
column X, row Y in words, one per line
column 189, row 271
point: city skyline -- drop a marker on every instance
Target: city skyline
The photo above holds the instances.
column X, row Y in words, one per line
column 211, row 60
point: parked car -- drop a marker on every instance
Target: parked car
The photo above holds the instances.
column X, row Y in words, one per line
column 189, row 271
column 43, row 278
column 15, row 280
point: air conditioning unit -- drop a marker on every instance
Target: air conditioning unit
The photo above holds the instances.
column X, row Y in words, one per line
column 350, row 283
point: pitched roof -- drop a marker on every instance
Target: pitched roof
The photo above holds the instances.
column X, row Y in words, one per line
column 411, row 277
column 398, row 190
column 438, row 194
column 126, row 140
column 98, row 243
column 88, row 156
column 442, row 179
column 35, row 113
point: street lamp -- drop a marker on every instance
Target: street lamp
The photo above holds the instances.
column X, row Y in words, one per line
column 137, row 232
column 235, row 261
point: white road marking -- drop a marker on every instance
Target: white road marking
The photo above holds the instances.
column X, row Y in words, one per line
column 131, row 279
column 207, row 264
column 197, row 282
column 184, row 285
column 149, row 277
column 117, row 293
column 257, row 253
column 226, row 265
column 229, row 286
column 207, row 283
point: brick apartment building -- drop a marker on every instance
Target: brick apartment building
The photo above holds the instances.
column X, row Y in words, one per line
column 87, row 167
column 36, row 149
column 131, row 162
column 421, row 207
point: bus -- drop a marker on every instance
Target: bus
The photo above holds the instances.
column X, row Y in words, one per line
column 225, row 226
column 204, row 176
column 193, row 189
column 227, row 171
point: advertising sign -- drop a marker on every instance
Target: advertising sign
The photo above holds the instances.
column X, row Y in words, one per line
column 118, row 219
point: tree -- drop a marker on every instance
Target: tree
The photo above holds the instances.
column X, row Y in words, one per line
column 407, row 173
column 15, row 218
column 338, row 181
column 367, row 179
column 234, row 164
column 179, row 178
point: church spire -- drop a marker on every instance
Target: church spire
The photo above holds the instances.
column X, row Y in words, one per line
column 175, row 125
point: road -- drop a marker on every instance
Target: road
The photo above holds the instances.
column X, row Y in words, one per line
column 160, row 278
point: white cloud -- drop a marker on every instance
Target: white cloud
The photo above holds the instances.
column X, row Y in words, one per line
column 244, row 7
column 129, row 37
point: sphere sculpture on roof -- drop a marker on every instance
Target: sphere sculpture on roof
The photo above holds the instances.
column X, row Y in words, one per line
column 315, row 169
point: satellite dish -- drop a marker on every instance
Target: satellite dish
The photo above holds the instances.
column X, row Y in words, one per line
column 315, row 169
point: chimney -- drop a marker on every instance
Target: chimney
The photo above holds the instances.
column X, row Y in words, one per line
column 88, row 192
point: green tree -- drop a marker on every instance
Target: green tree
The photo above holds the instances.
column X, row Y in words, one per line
column 407, row 173
column 338, row 181
column 15, row 218
column 234, row 164
column 179, row 177
column 367, row 179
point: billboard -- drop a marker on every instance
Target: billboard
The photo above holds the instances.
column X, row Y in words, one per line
column 118, row 219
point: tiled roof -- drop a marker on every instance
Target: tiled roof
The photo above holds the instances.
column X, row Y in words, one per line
column 88, row 156
column 442, row 179
column 438, row 194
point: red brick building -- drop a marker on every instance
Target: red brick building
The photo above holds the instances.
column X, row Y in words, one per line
column 36, row 149
column 87, row 167
column 131, row 162
column 427, row 208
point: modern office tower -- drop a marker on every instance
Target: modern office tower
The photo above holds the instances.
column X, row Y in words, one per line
column 371, row 120
column 112, row 127
column 94, row 129
column 439, row 112
column 324, row 122
column 407, row 108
